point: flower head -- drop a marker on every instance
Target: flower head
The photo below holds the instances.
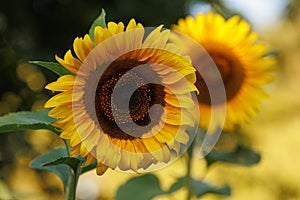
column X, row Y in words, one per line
column 129, row 103
column 242, row 61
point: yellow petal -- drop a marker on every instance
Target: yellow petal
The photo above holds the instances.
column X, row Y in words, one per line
column 125, row 156
column 82, row 47
column 83, row 151
column 151, row 144
column 155, row 148
column 165, row 137
column 107, row 152
column 175, row 146
column 132, row 25
column 182, row 137
column 59, row 99
column 135, row 157
column 75, row 150
column 101, row 168
column 75, row 140
column 69, row 62
column 101, row 34
column 61, row 111
column 182, row 101
column 68, row 132
column 89, row 160
column 181, row 87
column 63, row 83
column 177, row 116
column 115, row 28
column 156, row 39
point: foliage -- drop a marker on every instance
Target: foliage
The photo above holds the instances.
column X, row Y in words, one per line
column 67, row 168
column 242, row 155
column 26, row 120
column 55, row 67
column 99, row 21
column 150, row 185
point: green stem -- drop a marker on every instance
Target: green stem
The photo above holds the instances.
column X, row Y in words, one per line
column 188, row 183
column 70, row 190
column 67, row 147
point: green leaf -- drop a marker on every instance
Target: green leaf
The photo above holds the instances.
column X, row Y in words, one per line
column 58, row 162
column 55, row 67
column 63, row 171
column 147, row 187
column 177, row 185
column 99, row 21
column 75, row 165
column 26, row 120
column 241, row 156
column 70, row 161
column 201, row 188
column 142, row 187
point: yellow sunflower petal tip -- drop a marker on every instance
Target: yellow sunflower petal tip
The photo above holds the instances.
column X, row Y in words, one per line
column 101, row 169
column 132, row 25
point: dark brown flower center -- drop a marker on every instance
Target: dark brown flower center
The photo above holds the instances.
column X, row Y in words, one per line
column 109, row 108
column 232, row 75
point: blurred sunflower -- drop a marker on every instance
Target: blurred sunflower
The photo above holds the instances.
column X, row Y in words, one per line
column 97, row 124
column 241, row 59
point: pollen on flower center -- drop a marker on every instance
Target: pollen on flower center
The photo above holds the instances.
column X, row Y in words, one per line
column 109, row 109
column 232, row 75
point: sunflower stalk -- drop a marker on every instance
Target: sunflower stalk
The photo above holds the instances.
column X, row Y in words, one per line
column 70, row 193
column 67, row 146
column 188, row 183
column 70, row 189
column 75, row 171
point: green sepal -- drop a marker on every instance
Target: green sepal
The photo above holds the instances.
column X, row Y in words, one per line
column 99, row 21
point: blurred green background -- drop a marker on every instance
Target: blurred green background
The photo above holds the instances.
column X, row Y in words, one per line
column 39, row 29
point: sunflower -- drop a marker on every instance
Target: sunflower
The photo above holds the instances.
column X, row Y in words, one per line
column 241, row 60
column 128, row 103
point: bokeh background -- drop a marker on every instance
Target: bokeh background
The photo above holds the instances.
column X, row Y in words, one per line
column 39, row 29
